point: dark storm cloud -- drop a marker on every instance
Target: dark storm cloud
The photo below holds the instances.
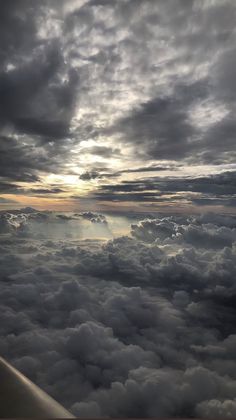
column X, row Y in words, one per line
column 25, row 94
column 33, row 98
column 161, row 127
column 19, row 16
column 220, row 140
column 37, row 89
column 136, row 326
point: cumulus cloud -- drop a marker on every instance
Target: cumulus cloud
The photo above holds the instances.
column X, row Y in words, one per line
column 217, row 409
column 90, row 216
column 93, row 217
column 203, row 235
column 138, row 326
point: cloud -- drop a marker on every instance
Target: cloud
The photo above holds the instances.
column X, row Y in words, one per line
column 38, row 92
column 103, row 151
column 165, row 125
column 7, row 201
column 141, row 324
column 97, row 174
column 217, row 409
column 87, row 176
column 44, row 191
column 161, row 128
column 152, row 168
column 86, row 79
column 137, row 325
column 144, row 393
column 218, row 189
column 93, row 217
column 33, row 97
column 219, row 184
column 204, row 236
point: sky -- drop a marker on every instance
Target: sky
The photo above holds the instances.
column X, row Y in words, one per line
column 122, row 105
column 117, row 204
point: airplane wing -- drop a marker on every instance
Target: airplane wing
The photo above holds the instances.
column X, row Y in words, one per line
column 19, row 397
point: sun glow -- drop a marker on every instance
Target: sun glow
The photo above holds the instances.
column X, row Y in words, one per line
column 52, row 179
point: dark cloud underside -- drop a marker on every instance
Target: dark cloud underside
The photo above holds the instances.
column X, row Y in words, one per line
column 120, row 85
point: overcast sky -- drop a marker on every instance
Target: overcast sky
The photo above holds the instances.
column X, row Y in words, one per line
column 121, row 112
column 118, row 105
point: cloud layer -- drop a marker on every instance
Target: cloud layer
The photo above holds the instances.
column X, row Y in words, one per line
column 142, row 325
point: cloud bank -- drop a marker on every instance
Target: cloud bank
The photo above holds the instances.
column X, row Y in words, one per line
column 142, row 325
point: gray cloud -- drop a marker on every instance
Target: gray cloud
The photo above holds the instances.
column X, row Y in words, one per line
column 161, row 127
column 136, row 326
column 6, row 201
column 36, row 103
column 94, row 174
column 165, row 126
column 216, row 189
column 87, row 176
column 105, row 152
column 141, row 324
column 121, row 74
column 152, row 168
column 33, row 98
column 93, row 217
